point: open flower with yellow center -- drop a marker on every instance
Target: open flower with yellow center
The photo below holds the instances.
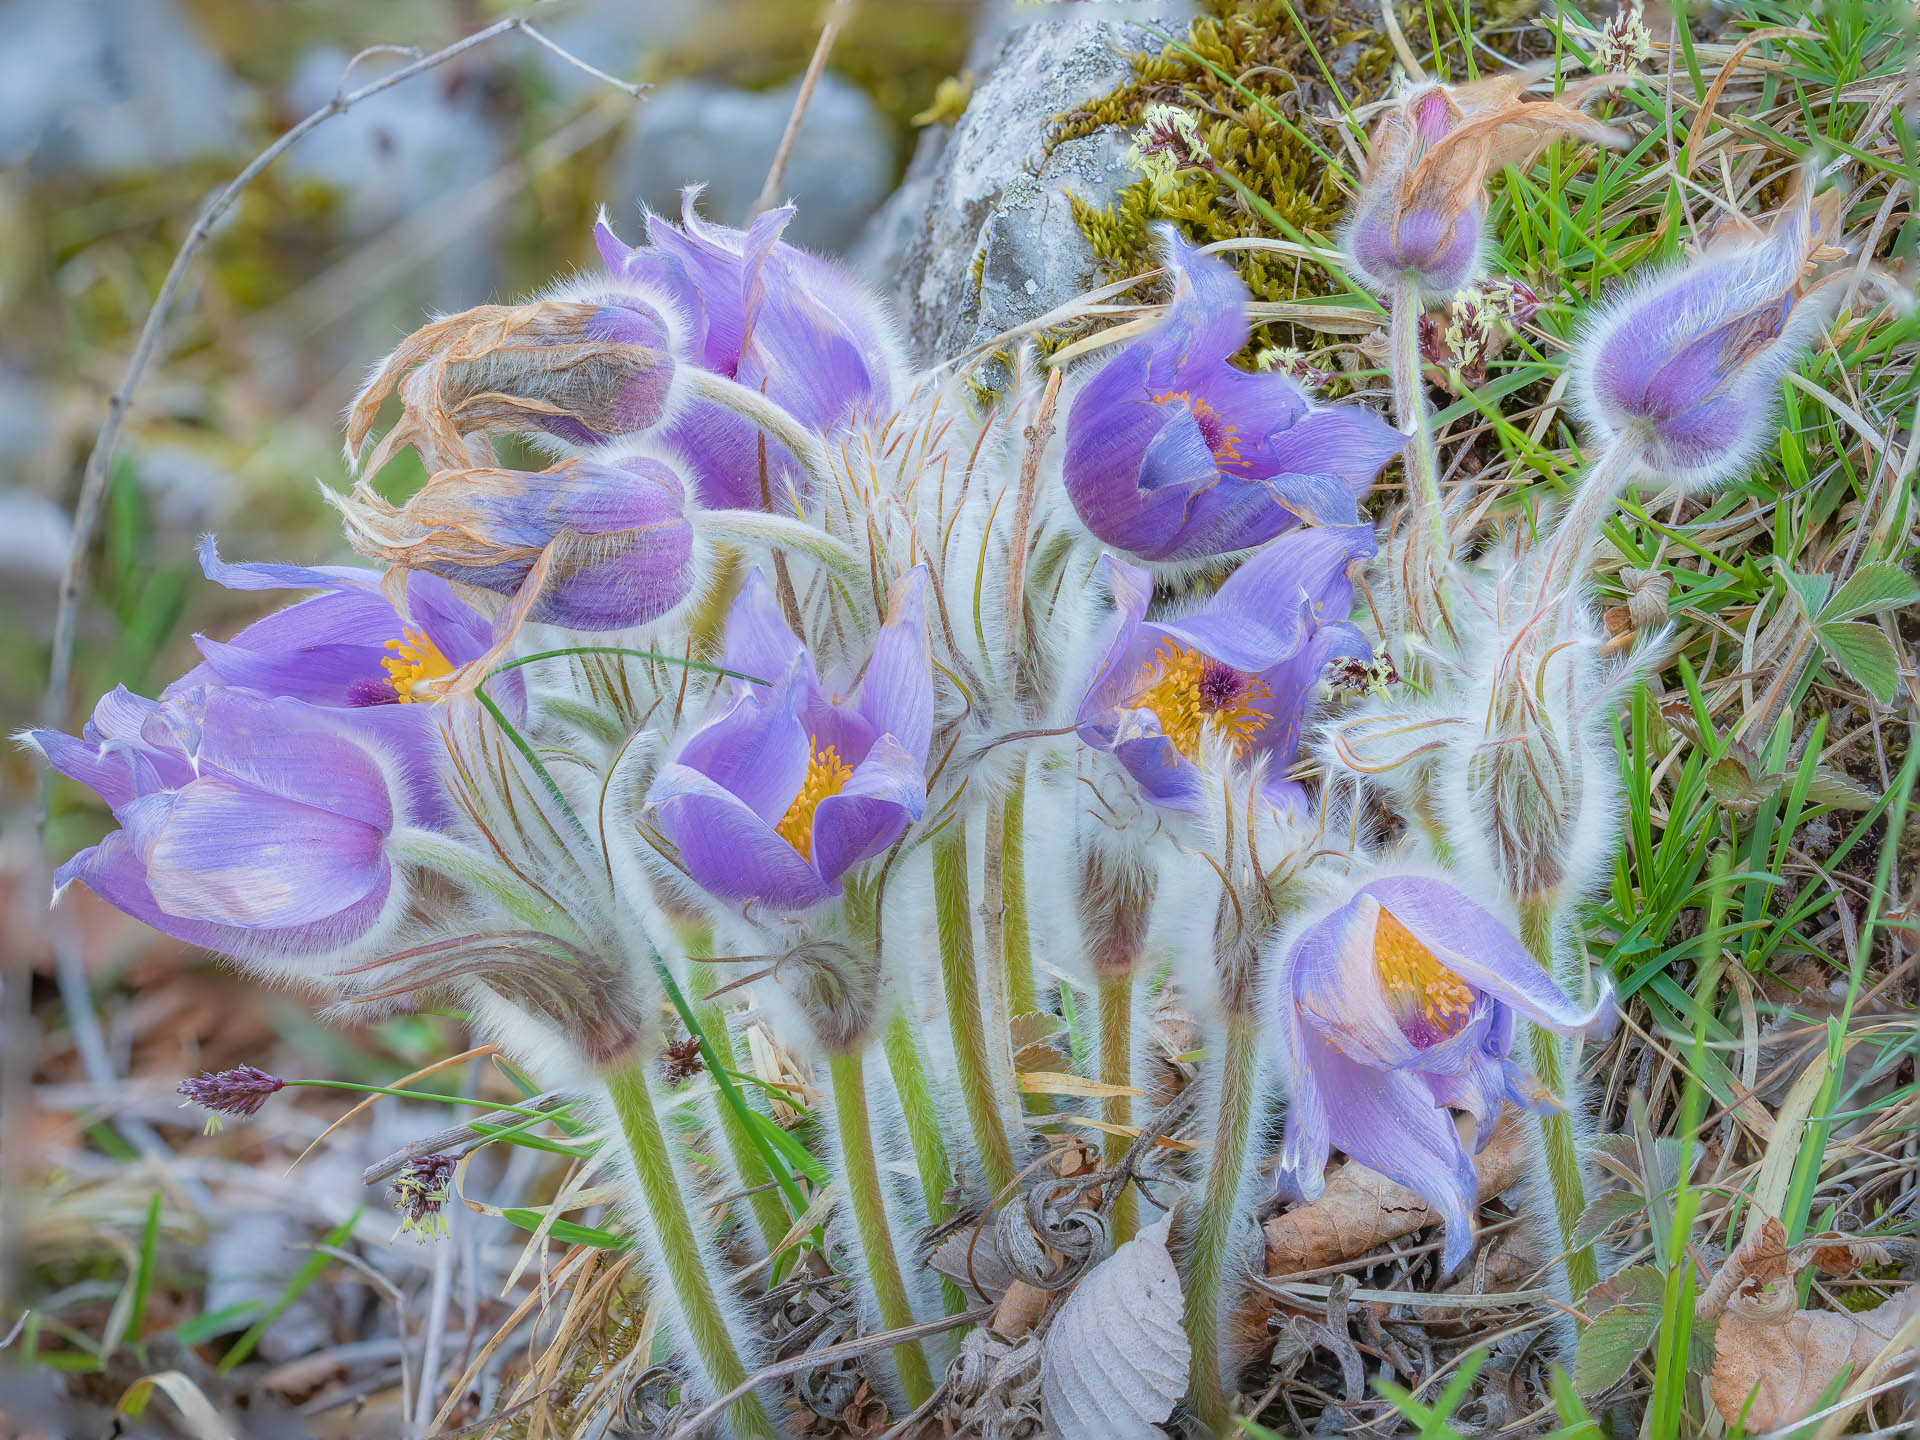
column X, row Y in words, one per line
column 1230, row 681
column 772, row 801
column 348, row 649
column 1397, row 1008
column 1173, row 453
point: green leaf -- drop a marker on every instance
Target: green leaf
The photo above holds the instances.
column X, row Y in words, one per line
column 1870, row 590
column 1811, row 591
column 1608, row 1347
column 1603, row 1212
column 1830, row 787
column 567, row 1232
column 1864, row 653
column 1635, row 1285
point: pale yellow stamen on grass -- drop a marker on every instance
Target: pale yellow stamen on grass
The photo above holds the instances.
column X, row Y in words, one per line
column 825, row 776
column 1170, row 686
column 414, row 665
column 1416, row 981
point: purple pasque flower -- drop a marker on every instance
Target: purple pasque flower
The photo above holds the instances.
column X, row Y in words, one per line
column 614, row 532
column 1397, row 1007
column 1685, row 365
column 254, row 825
column 347, row 649
column 1233, row 677
column 1423, row 198
column 1174, row 454
column 791, row 785
column 798, row 328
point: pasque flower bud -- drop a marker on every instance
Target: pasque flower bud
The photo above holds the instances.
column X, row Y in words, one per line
column 1423, row 197
column 1684, row 366
column 579, row 370
column 622, row 545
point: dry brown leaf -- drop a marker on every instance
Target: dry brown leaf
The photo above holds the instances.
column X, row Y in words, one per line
column 1786, row 1364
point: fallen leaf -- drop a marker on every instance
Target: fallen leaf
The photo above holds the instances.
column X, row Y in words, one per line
column 1116, row 1356
column 1787, row 1364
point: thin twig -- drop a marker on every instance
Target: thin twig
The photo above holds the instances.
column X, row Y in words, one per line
column 832, row 1355
column 777, row 172
column 438, row 1142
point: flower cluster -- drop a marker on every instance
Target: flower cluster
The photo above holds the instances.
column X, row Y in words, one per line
column 950, row 730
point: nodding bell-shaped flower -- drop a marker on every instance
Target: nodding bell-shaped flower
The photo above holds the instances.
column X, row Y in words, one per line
column 791, row 786
column 1396, row 1008
column 610, row 537
column 796, row 327
column 1173, row 454
column 1685, row 365
column 347, row 649
column 1233, row 678
column 1423, row 197
column 254, row 826
column 590, row 366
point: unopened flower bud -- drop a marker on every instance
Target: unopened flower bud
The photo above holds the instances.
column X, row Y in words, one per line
column 581, row 371
column 621, row 540
column 1684, row 368
column 240, row 1091
column 1423, row 198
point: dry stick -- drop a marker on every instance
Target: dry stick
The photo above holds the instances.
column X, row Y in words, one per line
column 777, row 172
column 832, row 1355
column 437, row 1142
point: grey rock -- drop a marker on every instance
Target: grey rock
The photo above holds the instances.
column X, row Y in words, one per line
column 111, row 85
column 692, row 132
column 985, row 196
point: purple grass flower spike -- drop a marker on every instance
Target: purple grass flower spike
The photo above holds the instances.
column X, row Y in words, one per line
column 622, row 545
column 1686, row 366
column 1232, row 677
column 777, row 319
column 251, row 825
column 1173, row 454
column 1398, row 1007
column 791, row 786
column 240, row 1091
column 420, row 1193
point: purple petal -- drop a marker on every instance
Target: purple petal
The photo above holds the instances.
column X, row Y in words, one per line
column 1476, row 945
column 759, row 643
column 1207, row 322
column 1349, row 441
column 268, row 576
column 226, row 854
column 1387, row 1120
column 1303, row 1154
column 733, row 853
column 1164, row 775
column 1334, row 978
column 756, row 750
column 887, row 793
column 292, row 751
column 896, row 693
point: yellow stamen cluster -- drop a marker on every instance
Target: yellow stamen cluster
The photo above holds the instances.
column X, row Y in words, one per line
column 826, row 775
column 1222, row 439
column 415, row 663
column 1171, row 686
column 1415, row 981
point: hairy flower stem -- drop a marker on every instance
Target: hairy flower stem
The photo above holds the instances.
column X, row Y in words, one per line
column 1115, row 997
column 1209, row 1250
column 1423, row 459
column 869, row 1206
column 1016, row 936
column 763, row 1198
column 1579, row 528
column 1548, row 1052
column 632, row 1102
column 960, row 980
column 908, row 1069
